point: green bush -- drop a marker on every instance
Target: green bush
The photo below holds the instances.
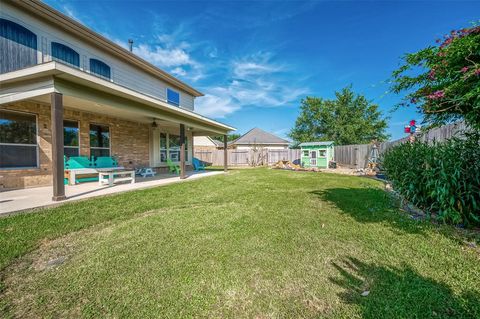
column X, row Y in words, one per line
column 440, row 178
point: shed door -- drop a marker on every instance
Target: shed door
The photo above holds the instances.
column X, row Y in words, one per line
column 313, row 158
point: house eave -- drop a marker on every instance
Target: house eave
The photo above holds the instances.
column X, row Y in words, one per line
column 59, row 71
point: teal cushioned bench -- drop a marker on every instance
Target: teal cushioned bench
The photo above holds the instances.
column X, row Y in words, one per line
column 82, row 162
column 105, row 162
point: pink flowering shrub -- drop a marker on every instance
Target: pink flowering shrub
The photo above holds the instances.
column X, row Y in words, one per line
column 443, row 81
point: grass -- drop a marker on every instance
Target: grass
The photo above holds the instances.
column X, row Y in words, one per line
column 253, row 243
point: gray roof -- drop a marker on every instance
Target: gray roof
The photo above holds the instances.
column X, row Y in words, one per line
column 316, row 143
column 217, row 142
column 259, row 136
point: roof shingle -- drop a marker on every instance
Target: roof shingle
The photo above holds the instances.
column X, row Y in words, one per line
column 259, row 136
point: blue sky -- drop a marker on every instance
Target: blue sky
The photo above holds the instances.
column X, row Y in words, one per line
column 255, row 60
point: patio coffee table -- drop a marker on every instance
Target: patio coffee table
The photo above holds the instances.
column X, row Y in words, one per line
column 117, row 175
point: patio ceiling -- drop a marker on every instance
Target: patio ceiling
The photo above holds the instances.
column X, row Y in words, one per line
column 89, row 93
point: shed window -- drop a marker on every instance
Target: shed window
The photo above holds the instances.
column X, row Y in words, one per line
column 99, row 140
column 70, row 138
column 173, row 97
column 18, row 46
column 306, row 153
column 18, row 140
column 322, row 153
column 63, row 53
column 100, row 68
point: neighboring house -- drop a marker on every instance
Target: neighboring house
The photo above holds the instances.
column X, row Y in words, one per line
column 317, row 154
column 68, row 90
column 258, row 138
column 206, row 143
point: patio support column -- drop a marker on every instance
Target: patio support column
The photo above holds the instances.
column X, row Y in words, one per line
column 193, row 147
column 182, row 152
column 57, row 146
column 225, row 154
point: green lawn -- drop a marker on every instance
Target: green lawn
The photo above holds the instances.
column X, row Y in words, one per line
column 254, row 243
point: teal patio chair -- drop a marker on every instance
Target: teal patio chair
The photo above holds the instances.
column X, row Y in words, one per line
column 197, row 164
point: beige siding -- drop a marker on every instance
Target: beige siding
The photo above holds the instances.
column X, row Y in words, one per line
column 203, row 141
column 122, row 73
column 186, row 101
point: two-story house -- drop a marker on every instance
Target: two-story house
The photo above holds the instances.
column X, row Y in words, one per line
column 66, row 90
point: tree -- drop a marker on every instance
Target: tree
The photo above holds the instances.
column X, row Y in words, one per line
column 443, row 81
column 348, row 119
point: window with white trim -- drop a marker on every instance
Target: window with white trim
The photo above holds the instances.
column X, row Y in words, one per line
column 170, row 147
column 71, row 146
column 306, row 153
column 99, row 140
column 173, row 97
column 322, row 153
column 163, row 147
column 18, row 140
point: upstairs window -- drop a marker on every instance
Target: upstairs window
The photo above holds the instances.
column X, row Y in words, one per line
column 61, row 52
column 99, row 68
column 18, row 46
column 173, row 97
column 18, row 140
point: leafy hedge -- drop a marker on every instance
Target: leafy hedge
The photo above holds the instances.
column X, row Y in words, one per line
column 439, row 178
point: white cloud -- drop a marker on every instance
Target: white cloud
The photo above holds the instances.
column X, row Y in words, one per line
column 256, row 82
column 216, row 105
column 163, row 57
column 213, row 53
column 175, row 60
column 178, row 71
column 71, row 13
column 243, row 69
column 255, row 65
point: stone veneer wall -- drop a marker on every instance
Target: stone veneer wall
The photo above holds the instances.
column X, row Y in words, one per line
column 129, row 143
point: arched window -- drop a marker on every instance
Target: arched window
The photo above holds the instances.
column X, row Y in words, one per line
column 61, row 52
column 99, row 68
column 18, row 46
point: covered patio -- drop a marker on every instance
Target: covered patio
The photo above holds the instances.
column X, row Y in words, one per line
column 19, row 200
column 138, row 130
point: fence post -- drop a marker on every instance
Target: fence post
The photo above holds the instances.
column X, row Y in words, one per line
column 225, row 154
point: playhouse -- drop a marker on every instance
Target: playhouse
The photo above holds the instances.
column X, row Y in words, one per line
column 317, row 154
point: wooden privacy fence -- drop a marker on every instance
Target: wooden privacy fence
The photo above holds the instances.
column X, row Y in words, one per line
column 247, row 157
column 357, row 156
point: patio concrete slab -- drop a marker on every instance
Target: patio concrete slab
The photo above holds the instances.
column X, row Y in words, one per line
column 15, row 201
